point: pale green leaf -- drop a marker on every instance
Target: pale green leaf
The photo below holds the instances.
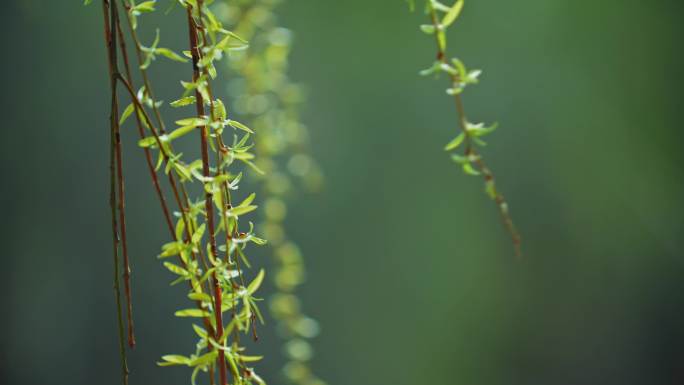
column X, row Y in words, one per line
column 239, row 125
column 200, row 331
column 174, row 359
column 183, row 101
column 195, row 122
column 428, row 28
column 192, row 313
column 240, row 210
column 468, row 169
column 145, row 6
column 456, row 142
column 126, row 113
column 254, row 285
column 177, row 133
column 176, row 269
column 453, row 13
column 171, row 55
column 204, row 359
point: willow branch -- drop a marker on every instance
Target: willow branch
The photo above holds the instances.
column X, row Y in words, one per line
column 199, row 103
column 470, row 149
column 110, row 40
column 121, row 188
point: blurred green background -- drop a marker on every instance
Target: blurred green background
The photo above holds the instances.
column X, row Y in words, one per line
column 411, row 275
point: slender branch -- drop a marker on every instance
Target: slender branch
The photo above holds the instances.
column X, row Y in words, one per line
column 470, row 149
column 225, row 193
column 110, row 40
column 143, row 71
column 121, row 188
column 195, row 52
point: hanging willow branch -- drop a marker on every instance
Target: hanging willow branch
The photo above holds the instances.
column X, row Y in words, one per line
column 214, row 274
column 271, row 104
column 441, row 17
column 109, row 17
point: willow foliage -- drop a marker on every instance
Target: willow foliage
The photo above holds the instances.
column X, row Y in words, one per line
column 464, row 147
column 209, row 239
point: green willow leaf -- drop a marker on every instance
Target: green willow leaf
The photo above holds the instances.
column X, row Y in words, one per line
column 176, row 269
column 192, row 122
column 145, row 6
column 468, row 169
column 174, row 359
column 204, row 359
column 254, row 285
column 170, row 54
column 248, row 200
column 147, row 142
column 195, row 296
column 251, row 358
column 428, row 28
column 126, row 113
column 177, row 133
column 192, row 313
column 456, row 142
column 453, row 13
column 238, row 125
column 199, row 331
column 240, row 210
column 197, row 235
column 183, row 101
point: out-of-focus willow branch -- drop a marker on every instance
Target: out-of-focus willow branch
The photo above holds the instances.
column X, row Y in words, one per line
column 441, row 18
column 271, row 104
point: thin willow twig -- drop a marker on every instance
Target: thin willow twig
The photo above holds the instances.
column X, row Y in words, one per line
column 110, row 40
column 470, row 149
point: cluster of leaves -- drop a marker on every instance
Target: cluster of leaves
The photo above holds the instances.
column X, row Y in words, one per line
column 271, row 103
column 215, row 274
column 471, row 134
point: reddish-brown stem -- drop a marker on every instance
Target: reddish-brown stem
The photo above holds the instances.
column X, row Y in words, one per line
column 121, row 185
column 110, row 40
column 143, row 72
column 226, row 197
column 470, row 149
column 195, row 52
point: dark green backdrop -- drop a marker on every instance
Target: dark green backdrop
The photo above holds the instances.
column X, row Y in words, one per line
column 411, row 275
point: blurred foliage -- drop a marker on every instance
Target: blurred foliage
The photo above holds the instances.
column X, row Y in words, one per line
column 405, row 273
column 270, row 103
